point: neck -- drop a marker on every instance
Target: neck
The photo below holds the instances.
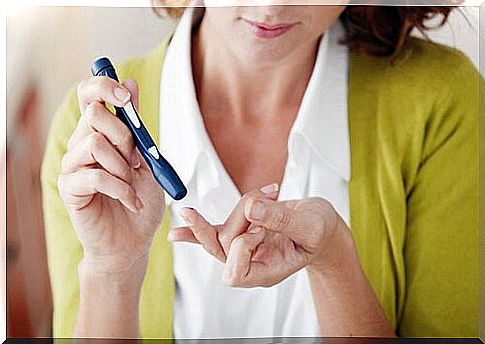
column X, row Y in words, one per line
column 226, row 85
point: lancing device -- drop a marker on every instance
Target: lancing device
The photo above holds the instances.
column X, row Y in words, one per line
column 161, row 169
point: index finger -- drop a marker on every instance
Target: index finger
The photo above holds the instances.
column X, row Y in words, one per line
column 102, row 89
column 203, row 232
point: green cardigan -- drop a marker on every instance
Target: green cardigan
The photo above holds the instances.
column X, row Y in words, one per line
column 413, row 193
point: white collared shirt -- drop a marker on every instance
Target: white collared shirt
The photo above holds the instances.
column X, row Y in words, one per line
column 318, row 165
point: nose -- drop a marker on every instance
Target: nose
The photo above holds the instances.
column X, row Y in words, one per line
column 272, row 10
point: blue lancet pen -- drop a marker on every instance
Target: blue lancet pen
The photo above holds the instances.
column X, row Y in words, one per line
column 161, row 169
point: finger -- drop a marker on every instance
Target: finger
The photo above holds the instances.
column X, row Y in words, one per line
column 79, row 133
column 132, row 86
column 97, row 149
column 182, row 234
column 262, row 275
column 102, row 89
column 79, row 186
column 275, row 216
column 270, row 191
column 204, row 232
column 238, row 263
column 98, row 118
column 237, row 223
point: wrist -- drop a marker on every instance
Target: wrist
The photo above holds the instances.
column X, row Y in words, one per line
column 339, row 255
column 122, row 274
column 109, row 300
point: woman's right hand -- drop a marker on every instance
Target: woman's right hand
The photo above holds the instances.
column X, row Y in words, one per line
column 114, row 203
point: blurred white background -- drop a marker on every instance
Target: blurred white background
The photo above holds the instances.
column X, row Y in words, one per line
column 54, row 47
column 49, row 49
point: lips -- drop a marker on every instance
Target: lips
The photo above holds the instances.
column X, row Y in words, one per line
column 263, row 30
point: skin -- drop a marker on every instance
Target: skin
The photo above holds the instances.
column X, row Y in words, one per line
column 115, row 205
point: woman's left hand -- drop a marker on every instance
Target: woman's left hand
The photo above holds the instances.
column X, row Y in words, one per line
column 278, row 238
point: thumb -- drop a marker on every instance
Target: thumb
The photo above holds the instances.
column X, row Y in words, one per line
column 132, row 86
column 272, row 215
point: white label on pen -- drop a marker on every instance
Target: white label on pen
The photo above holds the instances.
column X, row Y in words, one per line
column 130, row 111
column 154, row 152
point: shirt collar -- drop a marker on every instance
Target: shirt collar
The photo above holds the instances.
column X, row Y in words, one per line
column 179, row 109
column 321, row 121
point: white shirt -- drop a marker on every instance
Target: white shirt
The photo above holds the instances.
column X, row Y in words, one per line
column 318, row 165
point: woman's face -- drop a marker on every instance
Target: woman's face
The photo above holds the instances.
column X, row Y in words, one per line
column 265, row 35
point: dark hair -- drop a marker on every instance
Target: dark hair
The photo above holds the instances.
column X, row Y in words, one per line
column 383, row 30
column 376, row 30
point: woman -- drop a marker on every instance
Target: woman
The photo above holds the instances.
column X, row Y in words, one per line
column 341, row 177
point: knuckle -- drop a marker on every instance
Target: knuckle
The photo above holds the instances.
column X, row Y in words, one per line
column 64, row 185
column 64, row 162
column 96, row 141
column 81, row 87
column 61, row 183
column 101, row 84
column 245, row 198
column 70, row 142
column 249, row 199
column 92, row 112
column 101, row 81
column 93, row 109
column 240, row 242
column 97, row 177
column 230, row 280
column 108, row 84
column 223, row 238
column 280, row 219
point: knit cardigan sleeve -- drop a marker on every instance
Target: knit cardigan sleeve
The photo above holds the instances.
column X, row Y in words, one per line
column 441, row 250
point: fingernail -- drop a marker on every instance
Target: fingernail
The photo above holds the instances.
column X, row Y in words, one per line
column 122, row 94
column 255, row 230
column 138, row 204
column 258, row 210
column 135, row 159
column 269, row 189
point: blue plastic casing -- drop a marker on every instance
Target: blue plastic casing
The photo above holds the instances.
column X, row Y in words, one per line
column 163, row 172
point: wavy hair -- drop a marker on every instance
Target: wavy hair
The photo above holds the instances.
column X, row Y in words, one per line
column 371, row 30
